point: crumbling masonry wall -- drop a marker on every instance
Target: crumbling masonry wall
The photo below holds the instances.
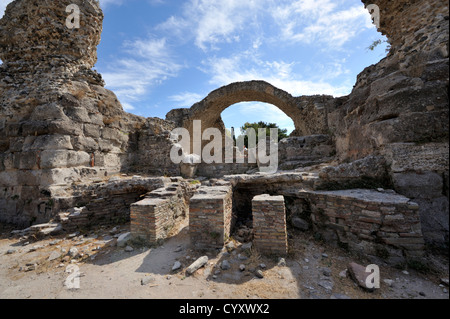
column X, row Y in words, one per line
column 375, row 224
column 153, row 217
column 59, row 126
column 210, row 217
column 269, row 224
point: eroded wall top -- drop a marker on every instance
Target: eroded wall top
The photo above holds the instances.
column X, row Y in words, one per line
column 35, row 32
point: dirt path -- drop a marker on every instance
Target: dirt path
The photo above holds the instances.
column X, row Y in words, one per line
column 106, row 271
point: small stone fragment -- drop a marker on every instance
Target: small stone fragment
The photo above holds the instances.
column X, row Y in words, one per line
column 176, row 266
column 359, row 275
column 73, row 252
column 54, row 255
column 196, row 265
column 146, row 280
column 388, row 282
column 123, row 239
column 326, row 271
column 282, row 262
column 225, row 265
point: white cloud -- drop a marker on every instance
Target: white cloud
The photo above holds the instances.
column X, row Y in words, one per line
column 105, row 3
column 145, row 64
column 156, row 2
column 212, row 22
column 248, row 66
column 186, row 99
column 321, row 22
column 128, row 107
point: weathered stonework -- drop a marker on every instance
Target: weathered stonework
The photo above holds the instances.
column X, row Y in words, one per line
column 372, row 223
column 58, row 124
column 303, row 151
column 153, row 217
column 269, row 224
column 100, row 203
column 210, row 217
column 62, row 135
column 219, row 170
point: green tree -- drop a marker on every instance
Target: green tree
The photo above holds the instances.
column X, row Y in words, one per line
column 282, row 133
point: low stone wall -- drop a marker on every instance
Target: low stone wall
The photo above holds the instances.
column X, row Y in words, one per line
column 153, row 217
column 219, row 170
column 305, row 151
column 102, row 211
column 210, row 217
column 377, row 224
column 269, row 224
column 103, row 203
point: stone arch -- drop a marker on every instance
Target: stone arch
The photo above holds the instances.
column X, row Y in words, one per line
column 209, row 109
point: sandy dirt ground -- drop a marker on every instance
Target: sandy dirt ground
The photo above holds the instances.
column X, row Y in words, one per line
column 43, row 269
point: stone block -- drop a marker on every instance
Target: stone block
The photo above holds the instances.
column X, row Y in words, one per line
column 52, row 142
column 404, row 157
column 92, row 130
column 419, row 184
column 61, row 158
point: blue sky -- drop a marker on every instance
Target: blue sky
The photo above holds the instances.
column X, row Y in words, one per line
column 157, row 55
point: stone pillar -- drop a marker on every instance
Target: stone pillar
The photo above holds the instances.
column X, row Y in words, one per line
column 269, row 224
column 210, row 212
column 153, row 217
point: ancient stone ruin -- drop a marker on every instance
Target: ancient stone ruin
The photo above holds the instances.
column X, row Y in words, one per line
column 368, row 172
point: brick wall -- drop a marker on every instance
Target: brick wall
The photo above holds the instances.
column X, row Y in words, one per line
column 210, row 217
column 219, row 170
column 269, row 224
column 102, row 203
column 373, row 223
column 153, row 217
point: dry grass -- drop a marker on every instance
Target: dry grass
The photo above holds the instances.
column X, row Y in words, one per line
column 110, row 120
column 79, row 94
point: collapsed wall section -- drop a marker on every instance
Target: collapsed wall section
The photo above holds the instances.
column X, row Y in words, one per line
column 153, row 217
column 210, row 217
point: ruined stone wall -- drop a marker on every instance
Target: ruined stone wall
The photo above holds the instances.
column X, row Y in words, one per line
column 60, row 127
column 100, row 203
column 399, row 108
column 210, row 217
column 153, row 217
column 404, row 97
column 420, row 172
column 269, row 225
column 375, row 224
column 58, row 124
column 309, row 113
column 152, row 153
column 305, row 151
column 219, row 170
